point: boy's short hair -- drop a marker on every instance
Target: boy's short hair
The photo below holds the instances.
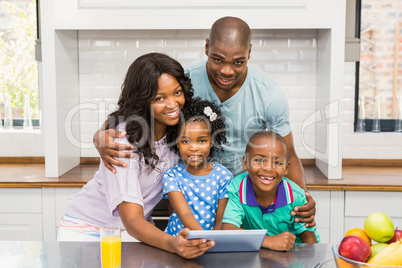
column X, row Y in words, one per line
column 267, row 134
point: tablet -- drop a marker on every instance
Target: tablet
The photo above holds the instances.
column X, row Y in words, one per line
column 231, row 240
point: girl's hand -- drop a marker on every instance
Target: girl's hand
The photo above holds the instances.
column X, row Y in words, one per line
column 306, row 213
column 108, row 149
column 280, row 242
column 190, row 249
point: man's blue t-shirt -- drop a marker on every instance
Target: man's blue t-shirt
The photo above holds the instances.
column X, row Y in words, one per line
column 260, row 104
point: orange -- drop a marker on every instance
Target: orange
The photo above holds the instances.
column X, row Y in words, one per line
column 344, row 264
column 359, row 232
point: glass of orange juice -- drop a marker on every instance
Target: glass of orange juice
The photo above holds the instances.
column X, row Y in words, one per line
column 110, row 246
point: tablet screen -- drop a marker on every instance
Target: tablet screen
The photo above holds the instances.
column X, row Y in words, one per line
column 231, row 240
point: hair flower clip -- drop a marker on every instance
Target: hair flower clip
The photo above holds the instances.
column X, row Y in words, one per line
column 208, row 112
column 213, row 117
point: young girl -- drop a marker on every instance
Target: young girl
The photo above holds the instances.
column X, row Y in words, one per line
column 154, row 91
column 196, row 187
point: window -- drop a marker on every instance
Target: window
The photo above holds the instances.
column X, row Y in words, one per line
column 379, row 76
column 18, row 67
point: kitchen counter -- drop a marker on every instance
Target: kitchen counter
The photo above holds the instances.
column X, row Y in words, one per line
column 341, row 204
column 355, row 178
column 87, row 254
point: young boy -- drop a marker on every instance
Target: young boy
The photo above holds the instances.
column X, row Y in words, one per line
column 263, row 198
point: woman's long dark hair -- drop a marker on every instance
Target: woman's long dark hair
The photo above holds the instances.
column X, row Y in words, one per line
column 139, row 88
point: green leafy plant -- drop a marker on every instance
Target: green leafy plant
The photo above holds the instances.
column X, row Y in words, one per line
column 18, row 67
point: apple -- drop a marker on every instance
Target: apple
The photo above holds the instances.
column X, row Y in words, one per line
column 397, row 236
column 379, row 227
column 355, row 248
column 377, row 248
column 359, row 232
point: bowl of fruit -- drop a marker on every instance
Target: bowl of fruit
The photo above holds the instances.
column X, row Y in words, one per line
column 377, row 245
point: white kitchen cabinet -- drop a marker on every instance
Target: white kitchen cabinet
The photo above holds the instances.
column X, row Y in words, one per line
column 62, row 197
column 358, row 205
column 31, row 214
column 197, row 14
column 20, row 214
column 322, row 198
column 20, row 227
column 322, row 218
column 34, row 213
column 58, row 199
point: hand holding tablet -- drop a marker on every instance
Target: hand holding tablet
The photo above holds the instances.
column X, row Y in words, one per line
column 231, row 240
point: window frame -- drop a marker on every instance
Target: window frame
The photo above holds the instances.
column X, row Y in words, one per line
column 386, row 125
column 18, row 123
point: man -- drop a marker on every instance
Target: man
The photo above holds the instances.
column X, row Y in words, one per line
column 249, row 100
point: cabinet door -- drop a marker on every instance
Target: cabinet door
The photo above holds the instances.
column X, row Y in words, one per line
column 20, row 227
column 152, row 14
column 322, row 199
column 20, row 200
column 358, row 205
column 20, row 214
column 63, row 196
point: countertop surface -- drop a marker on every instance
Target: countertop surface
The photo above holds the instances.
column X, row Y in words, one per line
column 354, row 178
column 87, row 254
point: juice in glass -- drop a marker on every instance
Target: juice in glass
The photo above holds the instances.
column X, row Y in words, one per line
column 110, row 247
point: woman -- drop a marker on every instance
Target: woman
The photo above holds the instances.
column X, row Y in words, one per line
column 154, row 90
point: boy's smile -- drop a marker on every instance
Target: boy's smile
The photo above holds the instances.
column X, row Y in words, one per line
column 266, row 179
column 266, row 164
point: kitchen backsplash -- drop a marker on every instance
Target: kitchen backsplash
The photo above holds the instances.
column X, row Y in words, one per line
column 287, row 56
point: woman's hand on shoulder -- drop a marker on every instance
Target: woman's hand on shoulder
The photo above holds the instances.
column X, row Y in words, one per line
column 109, row 150
column 190, row 249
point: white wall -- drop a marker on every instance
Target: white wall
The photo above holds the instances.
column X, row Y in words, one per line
column 15, row 144
column 288, row 56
